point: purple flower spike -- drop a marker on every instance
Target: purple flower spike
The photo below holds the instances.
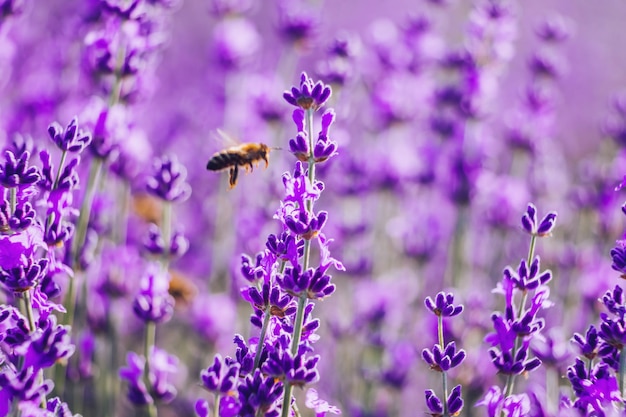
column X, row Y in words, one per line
column 454, row 402
column 252, row 270
column 70, row 139
column 443, row 361
column 299, row 146
column 25, row 276
column 314, row 283
column 22, row 386
column 618, row 254
column 297, row 370
column 257, row 392
column 442, row 305
column 525, row 278
column 168, row 181
column 15, row 170
column 309, row 95
column 614, row 301
column 154, row 303
column 22, row 218
column 594, row 388
column 222, row 376
column 285, row 247
column 531, row 225
column 588, row 344
column 154, row 244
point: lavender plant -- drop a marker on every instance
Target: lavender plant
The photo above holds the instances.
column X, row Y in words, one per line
column 510, row 351
column 283, row 280
column 444, row 357
column 450, row 116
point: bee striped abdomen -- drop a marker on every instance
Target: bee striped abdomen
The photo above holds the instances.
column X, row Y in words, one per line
column 243, row 155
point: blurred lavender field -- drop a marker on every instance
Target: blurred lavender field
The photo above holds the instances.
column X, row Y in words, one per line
column 439, row 236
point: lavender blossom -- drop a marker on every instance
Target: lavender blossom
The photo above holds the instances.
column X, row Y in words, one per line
column 309, row 95
column 169, row 180
column 70, row 139
column 154, row 303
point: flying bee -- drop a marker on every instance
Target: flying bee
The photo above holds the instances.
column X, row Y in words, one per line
column 246, row 155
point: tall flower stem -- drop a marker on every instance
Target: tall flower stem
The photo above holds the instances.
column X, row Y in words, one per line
column 13, row 199
column 59, row 170
column 81, row 234
column 295, row 341
column 77, row 242
column 266, row 322
column 444, row 375
column 302, row 299
column 216, row 406
column 510, row 380
column 28, row 305
column 622, row 370
column 149, row 341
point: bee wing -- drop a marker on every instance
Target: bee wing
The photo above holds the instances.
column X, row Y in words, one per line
column 226, row 140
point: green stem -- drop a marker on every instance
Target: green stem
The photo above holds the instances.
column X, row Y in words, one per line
column 456, row 261
column 81, row 234
column 510, row 379
column 622, row 370
column 259, row 348
column 443, row 374
column 302, row 299
column 61, row 163
column 13, row 199
column 85, row 209
column 216, row 406
column 149, row 341
column 295, row 341
column 31, row 324
column 266, row 322
column 440, row 330
column 166, row 232
column 120, row 230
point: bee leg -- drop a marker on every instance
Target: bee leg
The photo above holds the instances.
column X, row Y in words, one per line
column 233, row 172
column 267, row 162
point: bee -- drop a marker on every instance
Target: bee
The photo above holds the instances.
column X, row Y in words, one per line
column 246, row 155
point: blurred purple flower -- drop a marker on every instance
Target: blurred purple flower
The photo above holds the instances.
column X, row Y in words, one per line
column 162, row 367
column 321, row 407
column 297, row 22
column 236, row 42
column 168, row 181
column 154, row 303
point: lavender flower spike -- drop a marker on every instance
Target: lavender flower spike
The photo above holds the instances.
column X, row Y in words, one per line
column 442, row 305
column 532, row 226
column 309, row 95
column 70, row 139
